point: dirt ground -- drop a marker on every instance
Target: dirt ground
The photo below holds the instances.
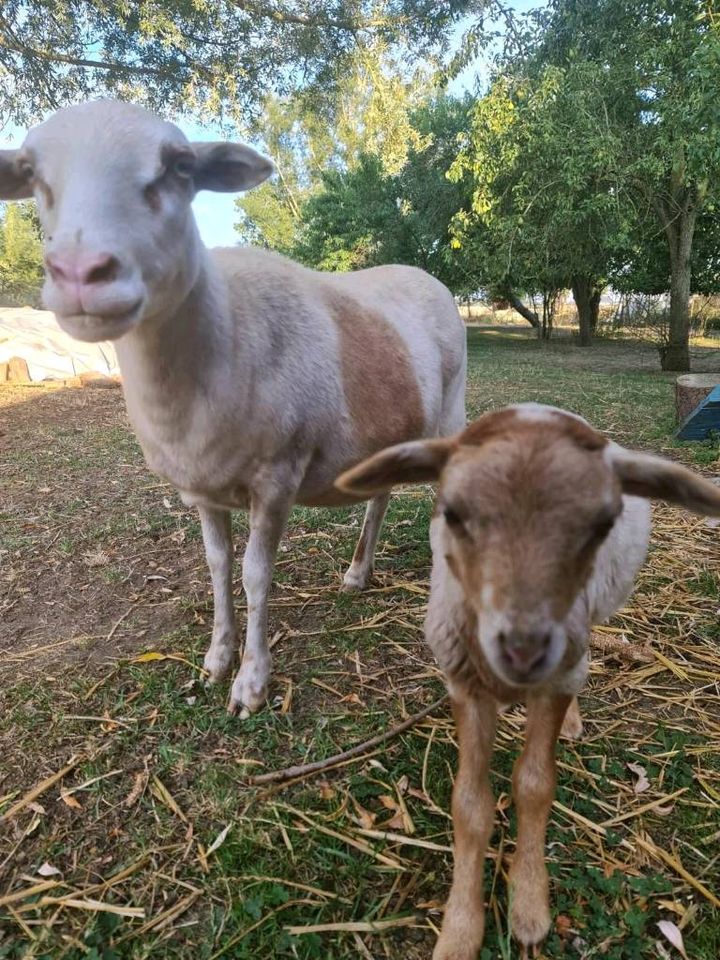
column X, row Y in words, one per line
column 162, row 845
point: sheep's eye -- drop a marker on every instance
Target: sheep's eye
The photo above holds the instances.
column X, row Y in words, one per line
column 182, row 167
column 27, row 170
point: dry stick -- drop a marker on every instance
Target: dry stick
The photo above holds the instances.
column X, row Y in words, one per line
column 304, row 770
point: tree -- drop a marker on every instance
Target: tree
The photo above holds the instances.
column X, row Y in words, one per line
column 366, row 216
column 21, row 261
column 369, row 115
column 215, row 55
column 543, row 216
column 654, row 66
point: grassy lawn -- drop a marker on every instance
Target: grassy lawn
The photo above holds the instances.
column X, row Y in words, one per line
column 153, row 842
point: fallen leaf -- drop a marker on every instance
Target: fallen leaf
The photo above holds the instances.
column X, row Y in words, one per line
column 365, row 818
column 218, row 840
column 149, row 656
column 326, row 791
column 137, row 788
column 70, row 801
column 671, row 932
column 47, row 870
column 642, row 783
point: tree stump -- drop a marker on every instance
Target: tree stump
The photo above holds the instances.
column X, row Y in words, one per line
column 691, row 389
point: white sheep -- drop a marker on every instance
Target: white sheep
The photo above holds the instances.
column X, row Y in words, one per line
column 540, row 527
column 251, row 381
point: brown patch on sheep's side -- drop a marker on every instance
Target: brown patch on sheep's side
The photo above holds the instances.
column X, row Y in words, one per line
column 380, row 386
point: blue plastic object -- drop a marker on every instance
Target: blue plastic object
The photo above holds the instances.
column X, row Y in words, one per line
column 703, row 420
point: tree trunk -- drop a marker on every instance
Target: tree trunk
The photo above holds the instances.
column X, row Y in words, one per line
column 586, row 294
column 675, row 354
column 595, row 308
column 517, row 304
column 679, row 230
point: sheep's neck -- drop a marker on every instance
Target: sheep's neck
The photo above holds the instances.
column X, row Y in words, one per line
column 169, row 363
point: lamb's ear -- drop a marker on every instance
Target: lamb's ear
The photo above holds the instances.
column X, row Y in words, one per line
column 420, row 461
column 229, row 167
column 642, row 475
column 14, row 182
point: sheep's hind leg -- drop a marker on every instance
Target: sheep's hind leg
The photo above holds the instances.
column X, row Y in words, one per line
column 217, row 537
column 359, row 571
column 268, row 516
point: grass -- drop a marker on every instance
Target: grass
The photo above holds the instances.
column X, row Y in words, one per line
column 161, row 845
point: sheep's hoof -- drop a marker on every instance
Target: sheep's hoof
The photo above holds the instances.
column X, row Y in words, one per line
column 249, row 690
column 218, row 662
column 354, row 582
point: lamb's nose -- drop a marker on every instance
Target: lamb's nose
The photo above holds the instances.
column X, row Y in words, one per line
column 525, row 651
column 82, row 269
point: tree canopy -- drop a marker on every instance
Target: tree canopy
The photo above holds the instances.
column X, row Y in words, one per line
column 215, row 56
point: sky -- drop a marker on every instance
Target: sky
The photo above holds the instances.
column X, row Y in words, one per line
column 215, row 212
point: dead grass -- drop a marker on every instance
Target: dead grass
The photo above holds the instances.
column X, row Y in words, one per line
column 129, row 826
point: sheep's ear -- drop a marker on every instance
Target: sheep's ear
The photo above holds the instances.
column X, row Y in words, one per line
column 642, row 475
column 14, row 182
column 420, row 461
column 229, row 167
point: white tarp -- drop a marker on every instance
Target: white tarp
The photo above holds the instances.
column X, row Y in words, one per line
column 34, row 336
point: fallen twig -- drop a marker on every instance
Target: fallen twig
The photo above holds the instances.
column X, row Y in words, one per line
column 306, row 769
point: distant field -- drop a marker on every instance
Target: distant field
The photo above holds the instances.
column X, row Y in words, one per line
column 153, row 841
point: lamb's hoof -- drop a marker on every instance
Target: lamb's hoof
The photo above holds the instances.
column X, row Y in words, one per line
column 572, row 725
column 249, row 690
column 529, row 919
column 461, row 936
column 454, row 952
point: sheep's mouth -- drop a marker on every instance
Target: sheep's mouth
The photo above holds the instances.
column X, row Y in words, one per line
column 92, row 328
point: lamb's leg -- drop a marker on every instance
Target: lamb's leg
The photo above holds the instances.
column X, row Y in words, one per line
column 268, row 515
column 572, row 725
column 217, row 537
column 473, row 810
column 534, row 789
column 358, row 573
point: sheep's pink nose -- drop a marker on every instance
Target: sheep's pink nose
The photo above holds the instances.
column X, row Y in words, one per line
column 82, row 269
column 524, row 652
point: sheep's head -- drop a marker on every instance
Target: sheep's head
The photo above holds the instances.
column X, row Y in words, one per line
column 527, row 496
column 113, row 185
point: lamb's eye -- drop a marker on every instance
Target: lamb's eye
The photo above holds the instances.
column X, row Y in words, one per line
column 601, row 528
column 27, row 170
column 452, row 518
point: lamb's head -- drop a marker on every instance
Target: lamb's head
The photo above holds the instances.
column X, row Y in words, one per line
column 113, row 185
column 526, row 498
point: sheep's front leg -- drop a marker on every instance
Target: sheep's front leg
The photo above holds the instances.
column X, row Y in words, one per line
column 217, row 537
column 473, row 810
column 268, row 515
column 358, row 573
column 534, row 790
